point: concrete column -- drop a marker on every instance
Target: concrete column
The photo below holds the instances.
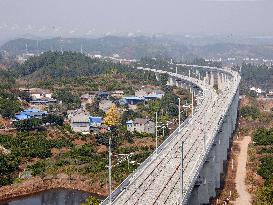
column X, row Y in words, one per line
column 194, row 199
column 211, row 79
column 219, row 81
column 225, row 139
column 211, row 178
column 203, row 194
column 218, row 160
column 157, row 76
column 177, row 83
column 172, row 81
column 207, row 77
column 222, row 80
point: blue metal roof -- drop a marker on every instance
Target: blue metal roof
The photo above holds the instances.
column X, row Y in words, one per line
column 154, row 96
column 22, row 116
column 29, row 113
column 95, row 119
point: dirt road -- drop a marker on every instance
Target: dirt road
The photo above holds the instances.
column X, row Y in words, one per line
column 244, row 197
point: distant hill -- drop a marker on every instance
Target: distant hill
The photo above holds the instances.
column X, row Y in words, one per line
column 143, row 46
column 134, row 47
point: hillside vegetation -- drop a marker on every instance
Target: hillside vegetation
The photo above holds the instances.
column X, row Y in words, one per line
column 58, row 65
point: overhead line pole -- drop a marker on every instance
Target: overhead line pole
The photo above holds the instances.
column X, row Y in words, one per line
column 192, row 101
column 110, row 172
column 182, row 170
column 156, row 142
column 179, row 113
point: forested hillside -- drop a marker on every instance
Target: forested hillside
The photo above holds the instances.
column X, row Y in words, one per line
column 260, row 76
column 58, row 65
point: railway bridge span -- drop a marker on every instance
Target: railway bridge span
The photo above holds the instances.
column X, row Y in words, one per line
column 187, row 167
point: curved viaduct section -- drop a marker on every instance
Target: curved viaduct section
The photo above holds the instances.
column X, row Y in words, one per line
column 187, row 167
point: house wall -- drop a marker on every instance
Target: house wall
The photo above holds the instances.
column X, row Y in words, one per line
column 80, row 127
column 49, row 95
column 36, row 96
column 140, row 93
column 148, row 128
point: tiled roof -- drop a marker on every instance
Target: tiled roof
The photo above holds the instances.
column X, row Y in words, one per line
column 141, row 121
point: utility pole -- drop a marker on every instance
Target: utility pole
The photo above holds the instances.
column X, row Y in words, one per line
column 110, row 172
column 182, row 170
column 156, row 143
column 192, row 101
column 179, row 113
column 163, row 131
column 205, row 133
column 128, row 161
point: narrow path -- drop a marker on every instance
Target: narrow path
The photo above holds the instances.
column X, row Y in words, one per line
column 244, row 197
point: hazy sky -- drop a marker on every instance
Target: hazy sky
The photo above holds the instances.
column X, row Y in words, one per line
column 88, row 17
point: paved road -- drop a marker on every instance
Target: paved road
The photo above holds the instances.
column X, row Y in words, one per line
column 244, row 197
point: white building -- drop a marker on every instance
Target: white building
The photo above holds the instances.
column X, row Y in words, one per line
column 141, row 125
column 38, row 93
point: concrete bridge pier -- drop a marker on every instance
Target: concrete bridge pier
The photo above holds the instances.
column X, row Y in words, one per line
column 203, row 193
column 211, row 175
column 194, row 198
column 157, row 76
column 218, row 160
column 171, row 81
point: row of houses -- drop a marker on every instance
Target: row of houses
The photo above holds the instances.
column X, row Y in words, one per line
column 39, row 96
column 82, row 122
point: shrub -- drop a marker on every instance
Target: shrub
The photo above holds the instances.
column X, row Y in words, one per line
column 263, row 137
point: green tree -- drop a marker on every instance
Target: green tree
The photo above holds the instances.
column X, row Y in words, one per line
column 250, row 111
column 91, row 201
column 68, row 99
column 265, row 196
column 53, row 119
column 28, row 124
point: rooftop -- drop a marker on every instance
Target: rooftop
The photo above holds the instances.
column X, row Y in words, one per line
column 141, row 121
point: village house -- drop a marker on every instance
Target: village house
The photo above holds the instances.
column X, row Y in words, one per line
column 269, row 94
column 38, row 93
column 133, row 100
column 105, row 105
column 79, row 122
column 143, row 92
column 30, row 113
column 95, row 124
column 149, row 94
column 141, row 125
column 103, row 95
column 39, row 96
column 88, row 98
column 117, row 94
